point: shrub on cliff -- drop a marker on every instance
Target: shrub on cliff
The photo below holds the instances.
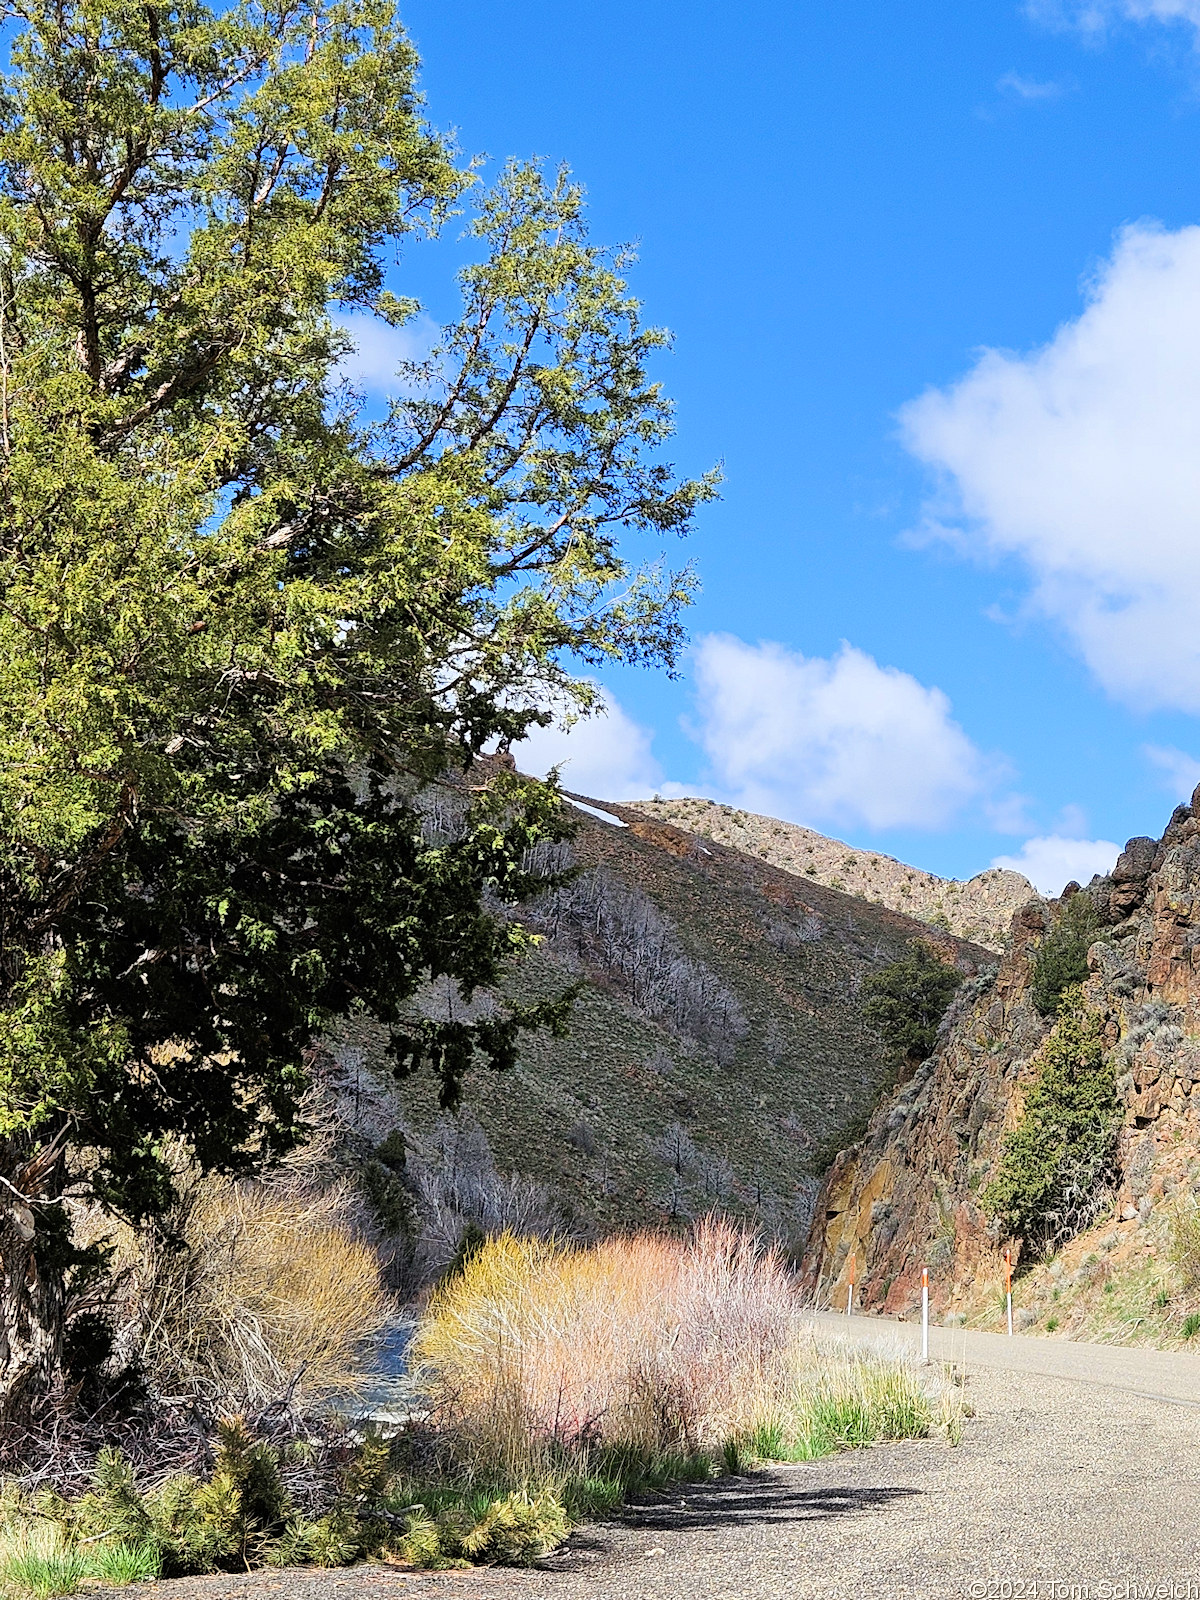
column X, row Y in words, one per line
column 1062, row 958
column 1056, row 1164
column 908, row 998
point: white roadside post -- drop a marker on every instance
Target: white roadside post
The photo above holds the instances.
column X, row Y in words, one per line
column 924, row 1313
column 1008, row 1287
column 850, row 1292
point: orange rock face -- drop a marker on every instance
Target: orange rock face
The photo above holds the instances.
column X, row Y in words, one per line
column 906, row 1196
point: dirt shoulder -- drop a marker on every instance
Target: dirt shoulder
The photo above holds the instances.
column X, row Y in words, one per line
column 1056, row 1483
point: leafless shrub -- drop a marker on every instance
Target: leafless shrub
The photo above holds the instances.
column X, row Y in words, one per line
column 802, row 1210
column 442, row 808
column 259, row 1291
column 675, row 1147
column 582, row 1138
column 454, row 1181
column 646, row 1341
column 793, row 932
column 714, row 1175
column 621, row 930
column 672, row 1199
column 450, row 1172
column 549, row 859
column 1086, row 1192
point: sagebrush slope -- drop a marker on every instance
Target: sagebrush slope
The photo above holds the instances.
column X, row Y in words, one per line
column 718, row 1043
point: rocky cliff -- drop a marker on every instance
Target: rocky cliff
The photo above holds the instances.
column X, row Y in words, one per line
column 979, row 908
column 909, row 1193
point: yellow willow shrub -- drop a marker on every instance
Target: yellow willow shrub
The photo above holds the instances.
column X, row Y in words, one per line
column 275, row 1288
column 648, row 1341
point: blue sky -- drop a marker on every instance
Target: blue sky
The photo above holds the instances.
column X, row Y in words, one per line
column 942, row 627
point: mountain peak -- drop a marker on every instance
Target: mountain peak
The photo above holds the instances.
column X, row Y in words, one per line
column 978, row 908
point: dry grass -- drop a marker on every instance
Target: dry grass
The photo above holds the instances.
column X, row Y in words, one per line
column 275, row 1292
column 540, row 1354
column 1185, row 1244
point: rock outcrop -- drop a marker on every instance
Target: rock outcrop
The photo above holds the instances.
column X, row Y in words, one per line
column 908, row 1194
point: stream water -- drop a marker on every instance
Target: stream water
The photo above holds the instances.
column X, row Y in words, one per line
column 389, row 1396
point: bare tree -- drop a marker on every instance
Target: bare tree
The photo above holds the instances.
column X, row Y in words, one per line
column 618, row 928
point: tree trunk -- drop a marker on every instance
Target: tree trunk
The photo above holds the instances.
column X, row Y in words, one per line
column 31, row 1303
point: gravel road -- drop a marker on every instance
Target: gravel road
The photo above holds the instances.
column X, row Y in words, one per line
column 1083, row 1485
column 1166, row 1374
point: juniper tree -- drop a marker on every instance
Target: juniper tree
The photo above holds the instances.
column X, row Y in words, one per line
column 907, row 999
column 242, row 626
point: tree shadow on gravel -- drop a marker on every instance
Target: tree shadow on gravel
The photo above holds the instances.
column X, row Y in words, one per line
column 725, row 1503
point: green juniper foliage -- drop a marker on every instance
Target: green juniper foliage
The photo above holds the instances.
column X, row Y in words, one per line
column 1062, row 958
column 908, row 998
column 243, row 630
column 1056, row 1162
column 905, row 1002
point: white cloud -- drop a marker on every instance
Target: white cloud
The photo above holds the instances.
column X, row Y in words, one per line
column 1008, row 813
column 1051, row 862
column 1181, row 772
column 1028, row 88
column 607, row 755
column 380, row 350
column 1082, row 460
column 1094, row 16
column 840, row 740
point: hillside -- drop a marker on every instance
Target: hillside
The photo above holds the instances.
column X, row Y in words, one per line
column 979, row 909
column 909, row 1193
column 717, row 1045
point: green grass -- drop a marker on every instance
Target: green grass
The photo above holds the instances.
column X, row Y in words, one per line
column 119, row 1564
column 866, row 1403
column 40, row 1574
column 767, row 1442
column 1191, row 1325
column 39, row 1561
